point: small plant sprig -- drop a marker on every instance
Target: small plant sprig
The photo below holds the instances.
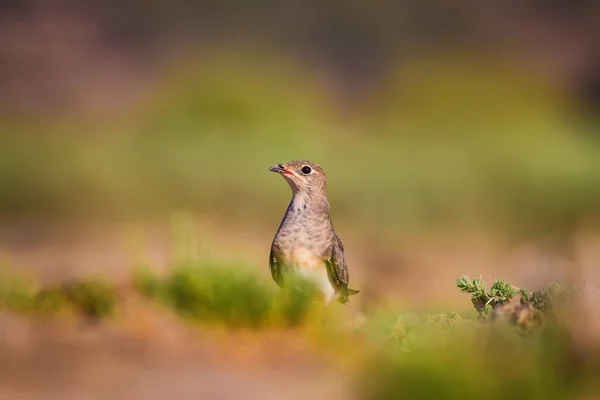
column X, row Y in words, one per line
column 484, row 302
column 502, row 292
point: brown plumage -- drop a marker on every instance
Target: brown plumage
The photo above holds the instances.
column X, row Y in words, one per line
column 306, row 242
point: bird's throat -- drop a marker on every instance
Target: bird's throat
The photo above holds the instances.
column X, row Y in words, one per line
column 304, row 205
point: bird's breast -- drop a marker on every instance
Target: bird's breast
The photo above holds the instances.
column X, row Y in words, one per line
column 304, row 262
column 303, row 237
column 303, row 258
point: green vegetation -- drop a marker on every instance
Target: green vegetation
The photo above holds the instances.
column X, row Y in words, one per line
column 232, row 296
column 93, row 298
column 447, row 355
column 411, row 156
column 521, row 306
column 16, row 293
column 450, row 356
column 484, row 302
column 483, row 363
column 229, row 295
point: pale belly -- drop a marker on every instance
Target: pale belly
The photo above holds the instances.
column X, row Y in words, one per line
column 304, row 263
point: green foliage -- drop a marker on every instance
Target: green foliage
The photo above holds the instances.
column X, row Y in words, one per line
column 475, row 364
column 451, row 356
column 92, row 298
column 16, row 293
column 477, row 288
column 501, row 292
column 524, row 293
column 50, row 301
column 234, row 296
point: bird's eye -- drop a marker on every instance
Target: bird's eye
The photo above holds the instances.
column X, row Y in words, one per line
column 306, row 170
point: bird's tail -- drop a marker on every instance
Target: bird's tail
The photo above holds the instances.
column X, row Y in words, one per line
column 344, row 298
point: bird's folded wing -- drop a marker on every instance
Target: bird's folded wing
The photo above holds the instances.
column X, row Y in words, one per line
column 275, row 265
column 336, row 265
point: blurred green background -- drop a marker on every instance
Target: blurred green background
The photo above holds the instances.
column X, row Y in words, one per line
column 443, row 141
column 420, row 120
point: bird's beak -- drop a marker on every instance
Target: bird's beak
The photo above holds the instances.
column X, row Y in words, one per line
column 277, row 168
column 280, row 169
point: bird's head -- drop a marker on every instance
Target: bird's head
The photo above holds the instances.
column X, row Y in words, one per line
column 304, row 177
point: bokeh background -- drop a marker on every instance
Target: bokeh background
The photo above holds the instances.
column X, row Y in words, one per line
column 458, row 137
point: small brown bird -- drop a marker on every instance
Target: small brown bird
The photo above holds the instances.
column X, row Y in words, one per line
column 306, row 243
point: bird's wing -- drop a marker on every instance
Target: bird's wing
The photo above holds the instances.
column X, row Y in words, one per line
column 275, row 265
column 337, row 270
column 336, row 265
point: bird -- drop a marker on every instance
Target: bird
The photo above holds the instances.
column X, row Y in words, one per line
column 306, row 244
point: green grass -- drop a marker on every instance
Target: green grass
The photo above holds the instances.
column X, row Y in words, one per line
column 93, row 298
column 231, row 295
column 16, row 292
